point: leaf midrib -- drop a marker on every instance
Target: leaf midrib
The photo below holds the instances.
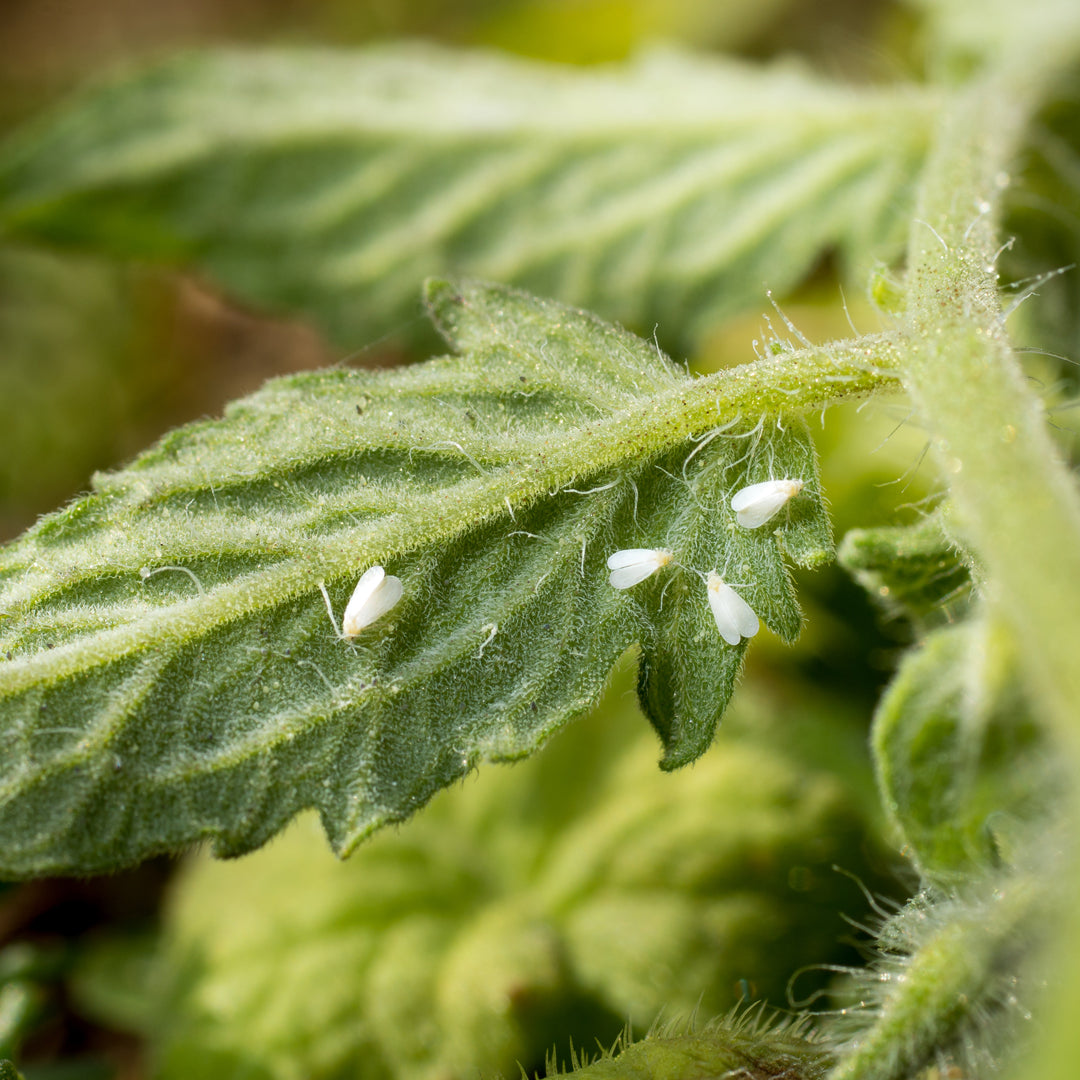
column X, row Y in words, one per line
column 638, row 432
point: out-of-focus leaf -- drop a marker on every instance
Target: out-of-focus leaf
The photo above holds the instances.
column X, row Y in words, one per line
column 117, row 977
column 588, row 31
column 39, row 963
column 913, row 571
column 673, row 190
column 1043, row 213
column 966, row 35
column 961, row 762
column 70, row 381
column 553, row 900
column 21, row 1002
column 169, row 670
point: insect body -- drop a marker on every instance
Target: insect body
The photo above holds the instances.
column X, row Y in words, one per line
column 375, row 594
column 735, row 619
column 756, row 504
column 632, row 565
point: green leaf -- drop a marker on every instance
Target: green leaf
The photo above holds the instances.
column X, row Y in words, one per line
column 673, row 190
column 962, row 764
column 915, row 571
column 1042, row 209
column 117, row 979
column 21, row 1006
column 8, row 1071
column 71, row 378
column 169, row 668
column 493, row 928
column 687, row 672
column 724, row 1047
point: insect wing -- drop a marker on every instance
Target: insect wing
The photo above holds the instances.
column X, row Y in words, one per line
column 735, row 619
column 375, row 594
column 757, row 503
column 632, row 565
column 383, row 599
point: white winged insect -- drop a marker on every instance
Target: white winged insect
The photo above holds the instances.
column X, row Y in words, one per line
column 632, row 565
column 757, row 503
column 375, row 594
column 735, row 619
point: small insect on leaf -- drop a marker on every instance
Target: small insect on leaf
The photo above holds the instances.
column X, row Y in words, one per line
column 375, row 594
column 735, row 619
column 632, row 565
column 758, row 503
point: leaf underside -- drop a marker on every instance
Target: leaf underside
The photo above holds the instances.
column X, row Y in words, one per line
column 168, row 668
column 671, row 190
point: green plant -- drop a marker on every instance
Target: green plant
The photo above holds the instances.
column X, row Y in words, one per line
column 173, row 669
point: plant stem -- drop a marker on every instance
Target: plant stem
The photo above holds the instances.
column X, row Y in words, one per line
column 1017, row 502
column 1016, row 499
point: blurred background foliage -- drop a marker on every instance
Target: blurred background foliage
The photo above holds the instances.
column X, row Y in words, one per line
column 98, row 360
column 531, row 908
column 553, row 900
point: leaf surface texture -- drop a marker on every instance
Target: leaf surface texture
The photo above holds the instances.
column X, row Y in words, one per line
column 673, row 190
column 169, row 669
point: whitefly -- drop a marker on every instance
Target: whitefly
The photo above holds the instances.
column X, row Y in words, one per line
column 632, row 565
column 375, row 594
column 758, row 503
column 735, row 618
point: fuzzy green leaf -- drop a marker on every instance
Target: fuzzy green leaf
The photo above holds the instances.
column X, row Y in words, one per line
column 910, row 570
column 961, row 762
column 723, row 1048
column 672, row 190
column 687, row 672
column 168, row 667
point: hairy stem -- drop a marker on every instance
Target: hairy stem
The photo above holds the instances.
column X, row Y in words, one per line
column 1017, row 502
column 960, row 968
column 1016, row 499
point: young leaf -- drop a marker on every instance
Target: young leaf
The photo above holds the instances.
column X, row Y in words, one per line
column 169, row 669
column 729, row 1046
column 962, row 764
column 671, row 190
column 910, row 570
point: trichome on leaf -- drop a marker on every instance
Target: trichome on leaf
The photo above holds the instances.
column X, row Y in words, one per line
column 173, row 674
